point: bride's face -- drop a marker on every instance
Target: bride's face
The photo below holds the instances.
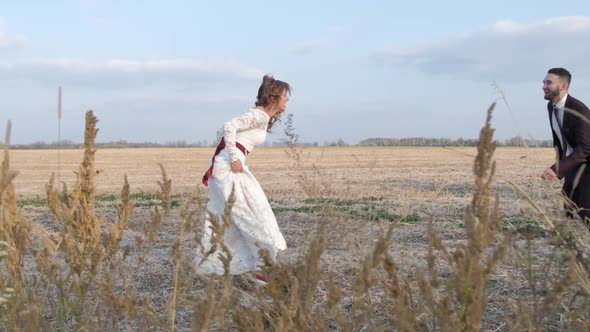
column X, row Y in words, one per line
column 282, row 105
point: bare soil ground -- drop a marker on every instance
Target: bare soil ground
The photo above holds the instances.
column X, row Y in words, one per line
column 365, row 188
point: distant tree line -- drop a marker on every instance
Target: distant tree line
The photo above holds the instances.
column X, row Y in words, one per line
column 67, row 144
column 377, row 141
column 429, row 141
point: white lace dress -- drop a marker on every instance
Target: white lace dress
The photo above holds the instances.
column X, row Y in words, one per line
column 253, row 224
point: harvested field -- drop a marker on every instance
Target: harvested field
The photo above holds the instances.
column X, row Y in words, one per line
column 358, row 191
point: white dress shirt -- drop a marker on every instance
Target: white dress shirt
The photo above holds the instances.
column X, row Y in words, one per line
column 557, row 121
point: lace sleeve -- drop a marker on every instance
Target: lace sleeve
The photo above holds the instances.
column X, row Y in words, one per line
column 248, row 120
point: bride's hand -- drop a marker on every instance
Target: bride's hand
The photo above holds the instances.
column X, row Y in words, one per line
column 236, row 166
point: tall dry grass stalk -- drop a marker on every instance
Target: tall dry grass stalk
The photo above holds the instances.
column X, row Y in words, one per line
column 455, row 300
column 76, row 267
column 93, row 274
column 458, row 301
column 80, row 239
column 165, row 189
column 14, row 235
column 80, row 244
column 5, row 292
column 124, row 212
column 569, row 292
column 14, row 229
column 308, row 176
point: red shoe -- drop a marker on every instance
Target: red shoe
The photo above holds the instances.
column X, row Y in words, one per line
column 261, row 279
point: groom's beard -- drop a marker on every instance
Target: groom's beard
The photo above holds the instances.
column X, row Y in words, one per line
column 552, row 94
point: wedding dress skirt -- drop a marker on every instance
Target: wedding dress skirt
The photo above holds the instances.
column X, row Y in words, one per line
column 252, row 227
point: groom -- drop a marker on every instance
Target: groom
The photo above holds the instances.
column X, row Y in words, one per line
column 569, row 119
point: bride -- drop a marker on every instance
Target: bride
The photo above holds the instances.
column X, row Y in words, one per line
column 253, row 225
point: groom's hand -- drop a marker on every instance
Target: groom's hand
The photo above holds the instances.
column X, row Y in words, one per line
column 236, row 166
column 549, row 174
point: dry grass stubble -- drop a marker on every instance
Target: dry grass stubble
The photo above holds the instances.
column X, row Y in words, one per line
column 358, row 273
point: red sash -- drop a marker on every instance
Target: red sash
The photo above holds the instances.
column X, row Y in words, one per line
column 220, row 147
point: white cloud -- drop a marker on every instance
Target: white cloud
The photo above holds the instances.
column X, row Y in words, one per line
column 326, row 40
column 507, row 50
column 309, row 46
column 120, row 73
column 8, row 41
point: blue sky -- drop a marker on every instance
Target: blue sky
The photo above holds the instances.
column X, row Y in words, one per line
column 176, row 70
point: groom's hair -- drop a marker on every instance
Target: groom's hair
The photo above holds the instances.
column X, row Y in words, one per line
column 562, row 73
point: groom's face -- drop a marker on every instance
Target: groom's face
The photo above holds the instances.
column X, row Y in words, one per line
column 553, row 86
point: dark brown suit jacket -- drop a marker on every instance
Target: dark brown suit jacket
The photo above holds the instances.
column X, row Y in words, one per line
column 576, row 130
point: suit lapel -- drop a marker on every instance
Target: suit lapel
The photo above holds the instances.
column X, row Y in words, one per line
column 567, row 117
column 562, row 147
column 567, row 112
column 555, row 137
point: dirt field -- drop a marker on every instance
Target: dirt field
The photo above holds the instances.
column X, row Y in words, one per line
column 361, row 170
column 429, row 182
column 366, row 187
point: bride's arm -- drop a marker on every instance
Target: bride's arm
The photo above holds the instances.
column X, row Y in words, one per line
column 243, row 122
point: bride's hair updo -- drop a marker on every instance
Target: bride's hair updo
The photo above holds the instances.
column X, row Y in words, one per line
column 269, row 94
